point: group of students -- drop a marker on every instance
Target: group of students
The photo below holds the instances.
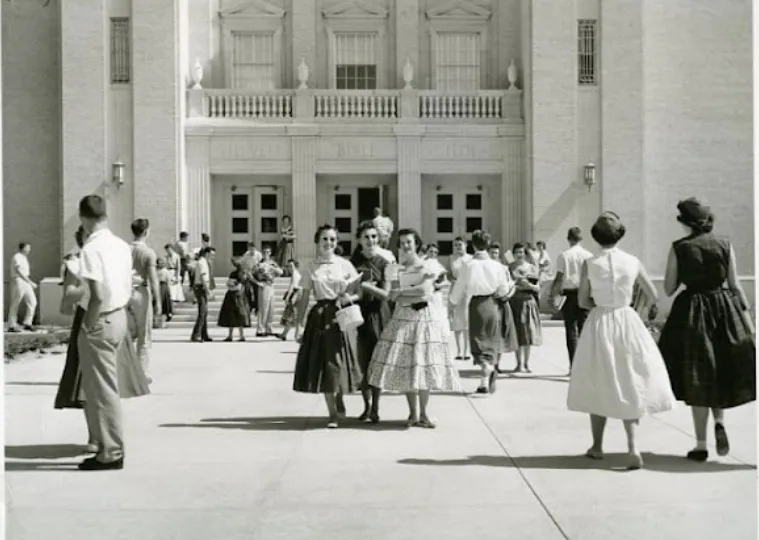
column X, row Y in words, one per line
column 705, row 355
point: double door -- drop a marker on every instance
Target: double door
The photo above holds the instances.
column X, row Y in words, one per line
column 349, row 206
column 456, row 212
column 255, row 216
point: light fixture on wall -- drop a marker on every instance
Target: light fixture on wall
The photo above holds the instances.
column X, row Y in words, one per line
column 589, row 174
column 117, row 172
column 479, row 187
column 337, row 188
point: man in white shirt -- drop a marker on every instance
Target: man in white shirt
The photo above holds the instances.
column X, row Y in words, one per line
column 384, row 226
column 106, row 269
column 182, row 248
column 202, row 289
column 22, row 289
column 482, row 279
column 567, row 283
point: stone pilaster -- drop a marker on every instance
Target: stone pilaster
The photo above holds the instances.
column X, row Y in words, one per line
column 621, row 176
column 514, row 216
column 409, row 137
column 195, row 192
column 304, row 189
column 84, row 54
column 157, row 115
column 406, row 39
column 304, row 38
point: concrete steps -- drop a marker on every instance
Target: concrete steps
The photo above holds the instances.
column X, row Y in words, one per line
column 186, row 312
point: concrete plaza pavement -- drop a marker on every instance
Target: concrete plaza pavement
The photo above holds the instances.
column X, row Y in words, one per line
column 224, row 450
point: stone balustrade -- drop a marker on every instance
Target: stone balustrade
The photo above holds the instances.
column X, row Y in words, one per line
column 489, row 106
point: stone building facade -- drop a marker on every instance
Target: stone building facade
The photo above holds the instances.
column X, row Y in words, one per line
column 451, row 115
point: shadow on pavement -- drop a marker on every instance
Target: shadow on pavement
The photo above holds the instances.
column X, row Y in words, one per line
column 30, row 383
column 44, row 451
column 40, row 466
column 476, row 374
column 611, row 463
column 287, row 423
column 279, row 372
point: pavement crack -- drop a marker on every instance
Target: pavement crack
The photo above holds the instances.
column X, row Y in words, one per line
column 519, row 471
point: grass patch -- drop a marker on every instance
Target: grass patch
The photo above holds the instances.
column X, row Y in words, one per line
column 41, row 341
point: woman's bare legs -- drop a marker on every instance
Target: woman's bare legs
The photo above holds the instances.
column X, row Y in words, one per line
column 597, row 427
column 634, row 459
column 413, row 412
column 526, row 357
column 241, row 332
column 331, row 401
column 462, row 343
column 424, row 400
column 720, row 435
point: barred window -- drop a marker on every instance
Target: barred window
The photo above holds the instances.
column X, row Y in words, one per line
column 253, row 60
column 120, row 51
column 356, row 61
column 587, row 52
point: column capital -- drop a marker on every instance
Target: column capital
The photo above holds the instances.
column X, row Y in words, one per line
column 409, row 130
column 303, row 130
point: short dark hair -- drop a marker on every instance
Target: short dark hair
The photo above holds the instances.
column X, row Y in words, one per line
column 79, row 237
column 495, row 245
column 93, row 207
column 432, row 245
column 459, row 239
column 205, row 238
column 518, row 245
column 22, row 245
column 607, row 237
column 364, row 226
column 184, row 235
column 251, row 244
column 295, row 262
column 321, row 229
column 168, row 246
column 540, row 243
column 574, row 234
column 411, row 232
column 140, row 227
column 480, row 240
column 287, row 217
column 206, row 250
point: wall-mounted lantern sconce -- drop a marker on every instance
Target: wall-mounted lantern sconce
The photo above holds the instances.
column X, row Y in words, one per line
column 337, row 188
column 117, row 171
column 479, row 187
column 590, row 174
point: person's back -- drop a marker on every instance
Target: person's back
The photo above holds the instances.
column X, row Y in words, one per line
column 612, row 276
column 702, row 261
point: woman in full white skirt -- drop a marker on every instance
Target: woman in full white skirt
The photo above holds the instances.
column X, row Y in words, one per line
column 618, row 371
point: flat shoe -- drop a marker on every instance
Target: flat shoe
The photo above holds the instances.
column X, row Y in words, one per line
column 698, row 455
column 332, row 424
column 92, row 464
column 426, row 423
column 634, row 462
column 594, row 454
column 720, row 435
column 411, row 422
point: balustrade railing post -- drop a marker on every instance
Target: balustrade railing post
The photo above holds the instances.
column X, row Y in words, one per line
column 511, row 105
column 196, row 103
column 409, row 110
column 304, row 104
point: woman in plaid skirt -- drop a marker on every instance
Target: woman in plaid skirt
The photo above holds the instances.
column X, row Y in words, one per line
column 708, row 339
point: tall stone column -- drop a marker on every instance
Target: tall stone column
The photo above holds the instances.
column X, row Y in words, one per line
column 157, row 115
column 409, row 137
column 304, row 38
column 196, row 190
column 406, row 39
column 304, row 189
column 514, row 217
column 84, row 56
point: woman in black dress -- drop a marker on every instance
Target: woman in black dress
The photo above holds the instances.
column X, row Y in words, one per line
column 374, row 309
column 708, row 339
column 235, row 311
column 326, row 363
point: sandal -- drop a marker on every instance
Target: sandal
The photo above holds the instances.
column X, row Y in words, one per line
column 426, row 423
column 411, row 422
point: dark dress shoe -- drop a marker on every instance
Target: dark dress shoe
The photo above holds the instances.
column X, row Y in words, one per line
column 698, row 455
column 28, row 328
column 207, row 339
column 92, row 464
column 482, row 390
column 196, row 340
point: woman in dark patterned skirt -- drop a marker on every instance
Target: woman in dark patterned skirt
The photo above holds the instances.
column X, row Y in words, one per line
column 326, row 364
column 235, row 311
column 708, row 341
column 374, row 308
column 508, row 331
column 524, row 306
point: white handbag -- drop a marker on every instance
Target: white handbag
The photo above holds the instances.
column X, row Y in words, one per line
column 349, row 317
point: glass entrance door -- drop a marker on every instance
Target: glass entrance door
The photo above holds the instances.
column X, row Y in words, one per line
column 457, row 212
column 349, row 206
column 268, row 213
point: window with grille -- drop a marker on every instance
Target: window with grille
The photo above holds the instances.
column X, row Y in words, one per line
column 253, row 60
column 457, row 62
column 356, row 61
column 587, row 52
column 120, row 51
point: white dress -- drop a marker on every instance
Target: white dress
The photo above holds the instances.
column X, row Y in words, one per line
column 618, row 371
column 459, row 314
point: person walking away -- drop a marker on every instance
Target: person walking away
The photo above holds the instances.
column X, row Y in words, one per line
column 618, row 371
column 482, row 279
column 145, row 304
column 566, row 286
column 22, row 290
column 709, row 340
column 106, row 268
column 201, row 288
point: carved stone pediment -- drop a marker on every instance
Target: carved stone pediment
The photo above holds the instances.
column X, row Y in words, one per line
column 356, row 9
column 250, row 9
column 459, row 10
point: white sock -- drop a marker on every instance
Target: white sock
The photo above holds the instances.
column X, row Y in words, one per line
column 700, row 445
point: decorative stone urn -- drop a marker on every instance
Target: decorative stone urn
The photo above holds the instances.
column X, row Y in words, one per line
column 408, row 74
column 197, row 75
column 302, row 74
column 511, row 73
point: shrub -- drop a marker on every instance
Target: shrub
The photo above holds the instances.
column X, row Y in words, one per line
column 16, row 344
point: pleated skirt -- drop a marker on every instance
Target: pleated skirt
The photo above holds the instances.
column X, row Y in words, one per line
column 484, row 326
